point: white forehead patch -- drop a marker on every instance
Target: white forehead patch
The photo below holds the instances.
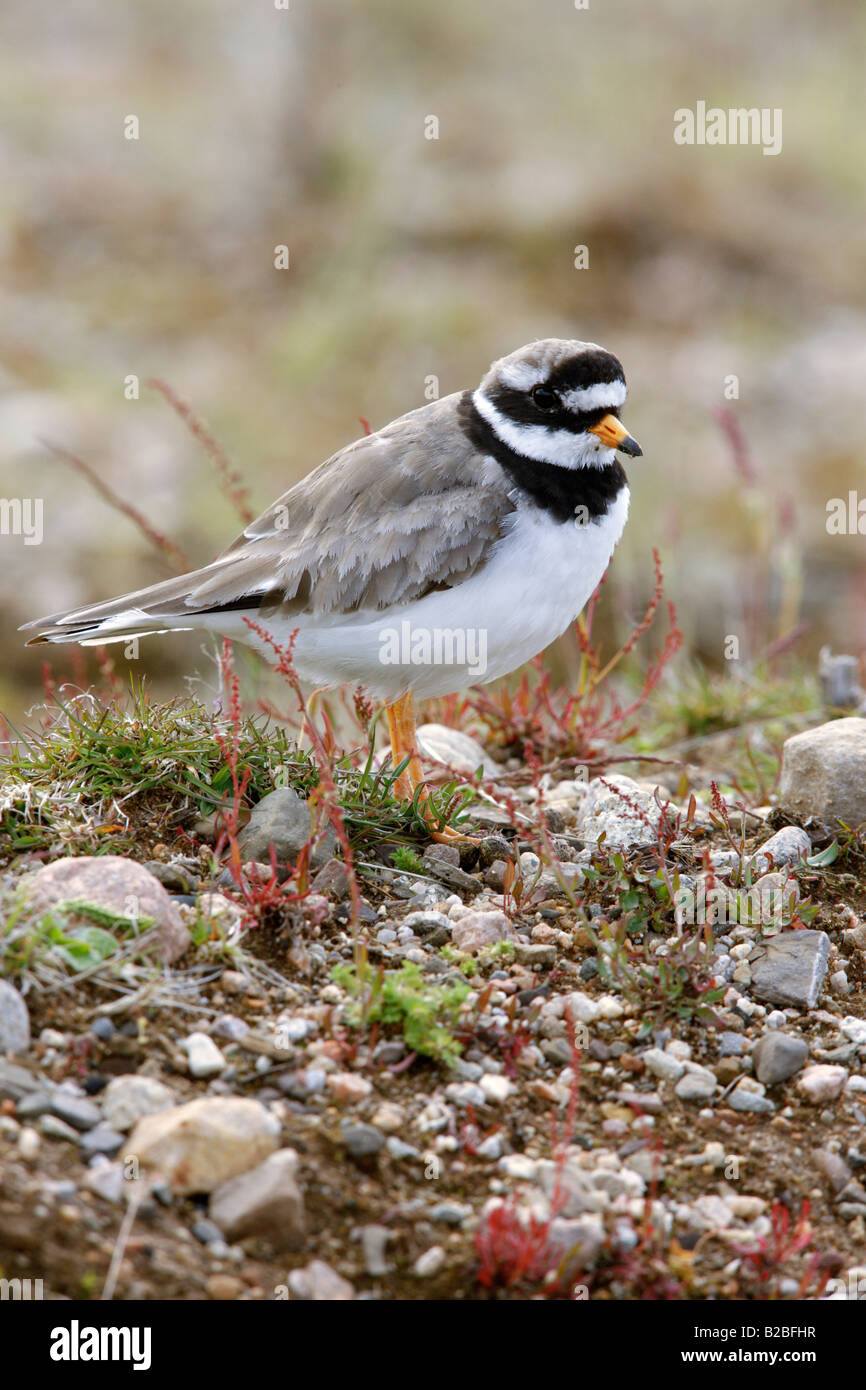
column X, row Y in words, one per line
column 522, row 376
column 609, row 393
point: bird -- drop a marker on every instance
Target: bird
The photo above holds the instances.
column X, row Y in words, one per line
column 440, row 551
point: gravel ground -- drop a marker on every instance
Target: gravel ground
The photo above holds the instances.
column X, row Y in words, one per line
column 223, row 1128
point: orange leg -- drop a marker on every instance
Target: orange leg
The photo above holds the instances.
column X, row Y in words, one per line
column 401, row 725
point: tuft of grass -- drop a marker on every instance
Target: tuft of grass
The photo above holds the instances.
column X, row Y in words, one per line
column 423, row 1013
column 374, row 815
column 99, row 762
column 407, row 860
column 661, row 978
column 84, row 783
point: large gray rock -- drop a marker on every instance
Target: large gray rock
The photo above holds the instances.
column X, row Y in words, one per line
column 118, row 884
column 282, row 819
column 14, row 1020
column 824, row 772
column 789, row 968
column 778, row 1056
column 263, row 1202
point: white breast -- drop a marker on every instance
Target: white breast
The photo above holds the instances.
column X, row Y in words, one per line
column 538, row 579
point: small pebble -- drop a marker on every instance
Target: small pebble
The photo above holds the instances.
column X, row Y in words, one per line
column 362, row 1141
column 29, row 1143
column 206, row 1231
column 429, row 1264
column 205, row 1058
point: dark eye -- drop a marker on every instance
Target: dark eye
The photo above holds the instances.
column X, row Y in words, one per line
column 545, row 399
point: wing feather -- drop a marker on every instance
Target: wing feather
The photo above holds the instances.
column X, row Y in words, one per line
column 385, row 520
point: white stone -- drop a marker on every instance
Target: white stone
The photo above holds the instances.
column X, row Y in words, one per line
column 130, row 1097
column 581, row 1008
column 389, row 1117
column 496, row 1088
column 317, row 1282
column 430, row 1263
column 712, row 1211
column 662, row 1064
column 744, row 1206
column 201, row 1144
column 626, row 816
column 699, row 1083
column 29, row 1143
column 458, row 750
column 609, row 1007
column 205, row 1058
column 821, row 1082
column 519, row 1166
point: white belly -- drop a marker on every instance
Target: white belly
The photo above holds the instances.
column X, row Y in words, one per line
column 538, row 580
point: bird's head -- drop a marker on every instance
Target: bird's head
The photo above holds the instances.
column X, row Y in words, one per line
column 558, row 401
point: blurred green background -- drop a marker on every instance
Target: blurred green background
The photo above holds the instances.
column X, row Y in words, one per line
column 412, row 257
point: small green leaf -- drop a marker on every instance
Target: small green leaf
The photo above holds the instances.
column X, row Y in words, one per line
column 89, row 946
column 825, row 857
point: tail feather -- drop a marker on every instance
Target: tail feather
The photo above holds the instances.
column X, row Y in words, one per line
column 129, row 623
column 162, row 607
